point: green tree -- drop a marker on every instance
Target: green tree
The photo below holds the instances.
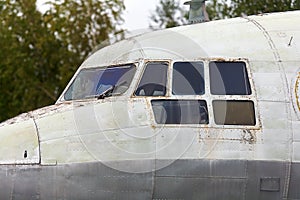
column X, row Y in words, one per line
column 81, row 25
column 253, row 7
column 218, row 9
column 24, row 68
column 168, row 13
column 40, row 52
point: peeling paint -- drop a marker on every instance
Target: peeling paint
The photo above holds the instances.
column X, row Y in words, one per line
column 249, row 137
column 18, row 119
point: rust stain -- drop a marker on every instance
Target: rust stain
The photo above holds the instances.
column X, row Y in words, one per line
column 153, row 126
column 297, row 91
column 219, row 59
column 249, row 137
column 20, row 118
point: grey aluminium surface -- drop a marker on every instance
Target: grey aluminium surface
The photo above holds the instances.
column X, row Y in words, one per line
column 183, row 179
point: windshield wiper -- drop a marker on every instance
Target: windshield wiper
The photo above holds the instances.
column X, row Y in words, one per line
column 106, row 93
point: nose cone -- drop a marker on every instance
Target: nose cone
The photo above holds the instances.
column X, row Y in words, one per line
column 19, row 141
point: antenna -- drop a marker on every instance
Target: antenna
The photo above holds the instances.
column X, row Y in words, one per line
column 198, row 12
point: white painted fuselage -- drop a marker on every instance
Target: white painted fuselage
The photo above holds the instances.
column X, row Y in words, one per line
column 117, row 148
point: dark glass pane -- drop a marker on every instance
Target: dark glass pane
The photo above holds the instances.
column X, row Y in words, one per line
column 229, row 78
column 90, row 83
column 153, row 82
column 234, row 112
column 188, row 78
column 180, row 111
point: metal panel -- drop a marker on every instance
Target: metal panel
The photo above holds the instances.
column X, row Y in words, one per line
column 270, row 184
column 204, row 168
column 19, row 142
column 270, row 87
column 199, row 188
column 184, row 179
column 296, row 150
column 260, row 170
column 91, row 181
column 294, row 192
column 297, row 91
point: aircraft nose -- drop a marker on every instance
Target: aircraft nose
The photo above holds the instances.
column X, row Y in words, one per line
column 19, row 141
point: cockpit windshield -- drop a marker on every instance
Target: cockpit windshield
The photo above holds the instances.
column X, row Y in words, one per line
column 100, row 82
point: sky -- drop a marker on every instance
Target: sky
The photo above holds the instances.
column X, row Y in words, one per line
column 137, row 13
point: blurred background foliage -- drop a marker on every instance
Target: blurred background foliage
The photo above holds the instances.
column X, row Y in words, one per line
column 169, row 13
column 39, row 52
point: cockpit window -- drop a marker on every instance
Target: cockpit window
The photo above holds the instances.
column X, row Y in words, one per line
column 234, row 112
column 154, row 80
column 229, row 78
column 188, row 78
column 94, row 82
column 175, row 111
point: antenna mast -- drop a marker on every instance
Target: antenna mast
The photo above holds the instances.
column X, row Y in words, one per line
column 198, row 12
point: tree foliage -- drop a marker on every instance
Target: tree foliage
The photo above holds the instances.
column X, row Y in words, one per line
column 40, row 52
column 168, row 13
column 220, row 9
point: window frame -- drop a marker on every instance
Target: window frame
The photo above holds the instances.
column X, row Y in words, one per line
column 213, row 86
column 62, row 96
column 251, row 97
column 172, row 75
column 169, row 100
column 207, row 96
column 141, row 74
column 239, row 118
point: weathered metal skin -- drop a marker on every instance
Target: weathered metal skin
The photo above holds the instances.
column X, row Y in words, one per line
column 184, row 179
column 19, row 143
column 112, row 148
